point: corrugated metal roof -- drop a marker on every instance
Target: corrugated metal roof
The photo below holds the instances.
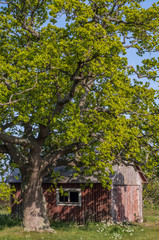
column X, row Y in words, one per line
column 14, row 176
column 128, row 175
column 66, row 173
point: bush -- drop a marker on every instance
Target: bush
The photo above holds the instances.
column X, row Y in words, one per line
column 5, row 192
column 4, row 197
column 151, row 193
column 7, row 221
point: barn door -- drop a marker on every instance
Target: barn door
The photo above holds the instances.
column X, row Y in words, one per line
column 125, row 203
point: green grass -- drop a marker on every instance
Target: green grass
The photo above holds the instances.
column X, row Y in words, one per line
column 149, row 230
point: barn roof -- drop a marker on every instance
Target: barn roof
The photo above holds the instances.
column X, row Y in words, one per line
column 68, row 175
column 142, row 174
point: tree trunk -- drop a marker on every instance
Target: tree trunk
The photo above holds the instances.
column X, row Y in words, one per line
column 35, row 216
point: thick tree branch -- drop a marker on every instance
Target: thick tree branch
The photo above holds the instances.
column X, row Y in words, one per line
column 14, row 140
column 87, row 86
column 28, row 131
column 43, row 134
column 72, row 148
column 8, row 124
column 17, row 157
column 76, row 78
column 61, row 103
column 54, row 158
column 3, row 149
column 31, row 30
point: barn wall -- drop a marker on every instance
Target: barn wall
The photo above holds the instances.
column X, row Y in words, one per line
column 126, row 175
column 140, row 203
column 16, row 200
column 126, row 203
column 122, row 203
column 95, row 204
column 126, row 195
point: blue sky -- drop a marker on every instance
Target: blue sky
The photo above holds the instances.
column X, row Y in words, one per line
column 148, row 3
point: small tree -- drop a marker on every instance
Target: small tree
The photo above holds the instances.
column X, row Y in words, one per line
column 151, row 189
column 66, row 95
column 5, row 192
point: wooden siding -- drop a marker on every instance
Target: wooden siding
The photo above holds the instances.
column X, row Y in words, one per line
column 16, row 201
column 95, row 204
column 126, row 175
column 126, row 203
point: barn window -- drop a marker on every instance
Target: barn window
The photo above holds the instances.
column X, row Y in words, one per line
column 69, row 197
column 63, row 197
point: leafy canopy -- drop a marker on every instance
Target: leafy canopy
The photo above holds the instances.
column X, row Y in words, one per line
column 70, row 89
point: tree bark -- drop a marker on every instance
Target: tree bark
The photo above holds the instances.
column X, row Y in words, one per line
column 35, row 217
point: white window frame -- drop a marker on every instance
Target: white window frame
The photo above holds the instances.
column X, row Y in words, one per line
column 68, row 203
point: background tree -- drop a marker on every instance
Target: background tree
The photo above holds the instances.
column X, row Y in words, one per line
column 66, row 95
column 5, row 189
column 5, row 192
column 151, row 169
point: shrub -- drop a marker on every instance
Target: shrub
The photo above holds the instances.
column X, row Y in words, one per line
column 7, row 221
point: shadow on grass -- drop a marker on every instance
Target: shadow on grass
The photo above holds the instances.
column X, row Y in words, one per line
column 7, row 221
column 69, row 226
column 66, row 226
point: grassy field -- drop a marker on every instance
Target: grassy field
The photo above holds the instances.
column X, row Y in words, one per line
column 148, row 230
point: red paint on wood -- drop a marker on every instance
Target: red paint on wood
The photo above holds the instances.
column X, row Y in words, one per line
column 95, row 204
column 126, row 203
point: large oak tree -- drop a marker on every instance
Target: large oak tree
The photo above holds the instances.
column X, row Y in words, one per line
column 66, row 93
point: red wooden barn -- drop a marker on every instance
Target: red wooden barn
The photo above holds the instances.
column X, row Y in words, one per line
column 123, row 202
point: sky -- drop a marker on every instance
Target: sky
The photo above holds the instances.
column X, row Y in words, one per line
column 148, row 3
